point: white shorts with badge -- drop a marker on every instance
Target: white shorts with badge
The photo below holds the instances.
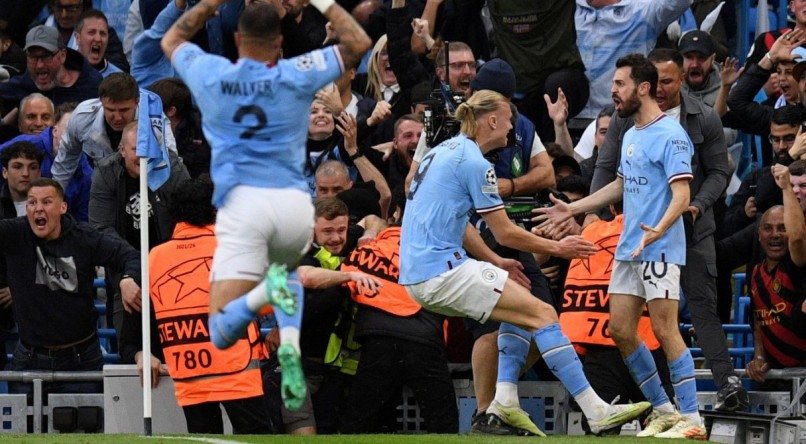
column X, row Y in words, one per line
column 646, row 279
column 470, row 290
column 258, row 225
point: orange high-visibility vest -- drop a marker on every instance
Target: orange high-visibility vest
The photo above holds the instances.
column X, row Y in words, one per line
column 585, row 315
column 180, row 294
column 381, row 259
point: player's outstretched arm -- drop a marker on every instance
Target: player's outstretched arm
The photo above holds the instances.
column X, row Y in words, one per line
column 353, row 41
column 188, row 25
column 510, row 235
column 560, row 211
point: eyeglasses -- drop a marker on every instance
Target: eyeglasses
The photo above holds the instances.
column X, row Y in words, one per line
column 462, row 65
column 67, row 8
column 44, row 58
column 788, row 139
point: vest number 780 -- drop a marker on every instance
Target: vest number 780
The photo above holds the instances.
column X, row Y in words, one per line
column 192, row 359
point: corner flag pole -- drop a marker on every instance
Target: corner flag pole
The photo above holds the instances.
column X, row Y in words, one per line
column 146, row 298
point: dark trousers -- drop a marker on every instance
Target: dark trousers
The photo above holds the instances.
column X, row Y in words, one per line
column 698, row 280
column 88, row 357
column 575, row 86
column 248, row 416
column 386, row 365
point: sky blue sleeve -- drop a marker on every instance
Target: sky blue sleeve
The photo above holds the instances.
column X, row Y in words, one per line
column 311, row 71
column 146, row 48
column 482, row 185
column 677, row 157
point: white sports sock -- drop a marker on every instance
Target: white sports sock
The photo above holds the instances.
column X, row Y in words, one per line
column 256, row 297
column 693, row 417
column 592, row 405
column 506, row 393
column 666, row 407
column 290, row 334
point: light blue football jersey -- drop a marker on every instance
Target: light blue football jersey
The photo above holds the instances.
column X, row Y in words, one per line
column 453, row 180
column 256, row 117
column 652, row 157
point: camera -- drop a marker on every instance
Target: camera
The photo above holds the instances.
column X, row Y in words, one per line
column 438, row 120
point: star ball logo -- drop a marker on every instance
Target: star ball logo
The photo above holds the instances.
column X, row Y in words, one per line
column 489, row 176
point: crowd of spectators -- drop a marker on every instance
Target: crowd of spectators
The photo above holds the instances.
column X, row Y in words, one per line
column 72, row 73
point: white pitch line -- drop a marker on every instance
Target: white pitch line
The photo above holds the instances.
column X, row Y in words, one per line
column 207, row 440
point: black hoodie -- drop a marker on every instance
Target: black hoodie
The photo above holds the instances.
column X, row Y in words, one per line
column 51, row 281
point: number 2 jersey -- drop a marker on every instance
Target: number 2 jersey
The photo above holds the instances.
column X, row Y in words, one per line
column 256, row 117
column 453, row 180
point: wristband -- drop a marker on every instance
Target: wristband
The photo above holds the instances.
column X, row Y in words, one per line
column 767, row 55
column 126, row 276
column 356, row 155
column 322, row 5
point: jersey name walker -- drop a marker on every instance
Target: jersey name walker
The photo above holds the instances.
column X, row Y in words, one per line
column 256, row 117
column 453, row 180
column 652, row 157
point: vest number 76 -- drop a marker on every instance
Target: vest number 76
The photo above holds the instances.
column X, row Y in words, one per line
column 595, row 323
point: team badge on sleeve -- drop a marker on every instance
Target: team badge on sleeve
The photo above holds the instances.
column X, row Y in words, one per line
column 304, row 62
column 491, row 183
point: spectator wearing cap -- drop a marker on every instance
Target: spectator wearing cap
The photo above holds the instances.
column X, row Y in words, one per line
column 701, row 74
column 755, row 118
column 59, row 73
column 565, row 166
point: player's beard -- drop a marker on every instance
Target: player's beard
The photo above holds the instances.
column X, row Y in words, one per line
column 629, row 106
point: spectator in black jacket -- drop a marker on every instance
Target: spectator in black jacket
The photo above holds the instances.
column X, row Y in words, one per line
column 303, row 28
column 51, row 262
